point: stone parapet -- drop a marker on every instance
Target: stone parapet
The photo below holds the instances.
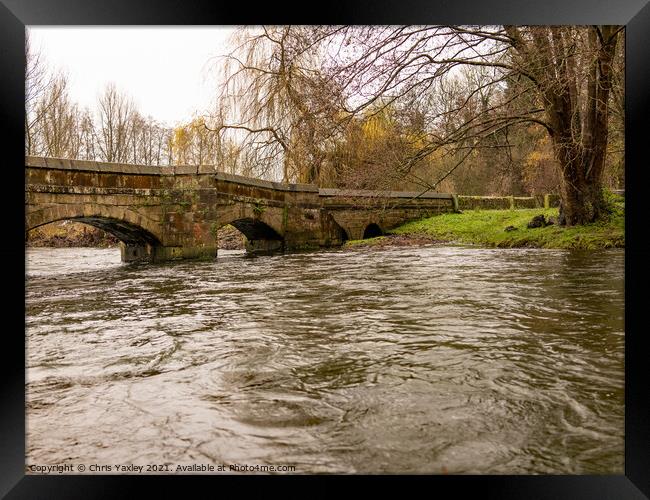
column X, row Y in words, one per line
column 359, row 193
column 195, row 170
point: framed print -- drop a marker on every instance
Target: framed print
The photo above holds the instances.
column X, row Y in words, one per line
column 274, row 308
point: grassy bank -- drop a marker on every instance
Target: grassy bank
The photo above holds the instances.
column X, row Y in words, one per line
column 487, row 228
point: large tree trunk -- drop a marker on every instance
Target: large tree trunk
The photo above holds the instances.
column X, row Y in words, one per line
column 582, row 187
column 582, row 166
column 582, row 199
column 577, row 121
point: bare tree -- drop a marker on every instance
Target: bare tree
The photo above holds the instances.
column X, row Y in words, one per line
column 145, row 140
column 38, row 95
column 114, row 128
column 87, row 137
column 58, row 122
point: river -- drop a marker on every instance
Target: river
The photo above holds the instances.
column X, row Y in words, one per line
column 433, row 359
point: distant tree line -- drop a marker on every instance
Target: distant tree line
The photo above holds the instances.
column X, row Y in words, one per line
column 115, row 130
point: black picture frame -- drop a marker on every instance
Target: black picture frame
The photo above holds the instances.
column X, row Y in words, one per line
column 16, row 14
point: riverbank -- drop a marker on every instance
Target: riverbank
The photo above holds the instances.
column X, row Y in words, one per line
column 230, row 238
column 69, row 234
column 488, row 228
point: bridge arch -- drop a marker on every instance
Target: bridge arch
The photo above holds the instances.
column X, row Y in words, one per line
column 255, row 229
column 128, row 226
column 261, row 236
column 372, row 230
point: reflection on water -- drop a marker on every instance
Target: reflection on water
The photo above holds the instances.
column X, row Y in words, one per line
column 423, row 360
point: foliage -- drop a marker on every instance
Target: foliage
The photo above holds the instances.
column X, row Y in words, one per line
column 614, row 204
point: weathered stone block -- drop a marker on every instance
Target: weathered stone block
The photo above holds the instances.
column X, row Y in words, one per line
column 35, row 161
column 186, row 169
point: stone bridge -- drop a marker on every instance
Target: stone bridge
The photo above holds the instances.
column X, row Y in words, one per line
column 165, row 213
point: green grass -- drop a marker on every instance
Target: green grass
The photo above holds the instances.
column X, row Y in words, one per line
column 486, row 228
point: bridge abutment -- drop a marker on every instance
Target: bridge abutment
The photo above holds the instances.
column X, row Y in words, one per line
column 162, row 254
column 134, row 252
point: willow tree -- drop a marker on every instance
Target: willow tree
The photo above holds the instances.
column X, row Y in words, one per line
column 276, row 101
column 43, row 91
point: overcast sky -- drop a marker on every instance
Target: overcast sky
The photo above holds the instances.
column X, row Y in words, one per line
column 165, row 70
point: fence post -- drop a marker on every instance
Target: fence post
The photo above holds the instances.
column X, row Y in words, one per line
column 454, row 198
column 512, row 202
column 547, row 202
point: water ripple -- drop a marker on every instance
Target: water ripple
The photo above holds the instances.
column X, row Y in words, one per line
column 432, row 360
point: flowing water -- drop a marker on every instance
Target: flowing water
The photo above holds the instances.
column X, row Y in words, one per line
column 435, row 359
